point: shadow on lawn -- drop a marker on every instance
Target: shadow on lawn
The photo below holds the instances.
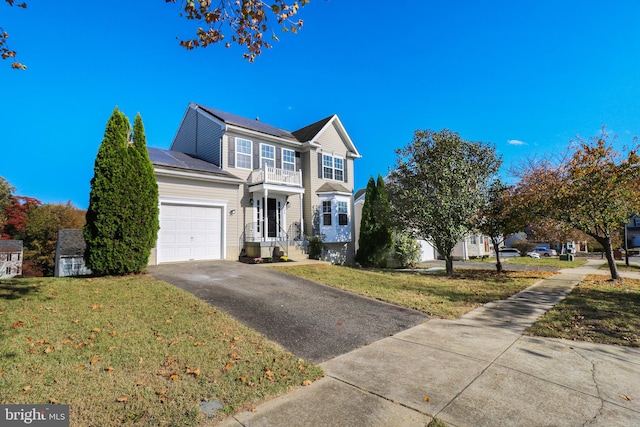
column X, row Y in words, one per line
column 12, row 289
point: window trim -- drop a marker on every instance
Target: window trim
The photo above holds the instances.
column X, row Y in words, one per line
column 333, row 167
column 292, row 163
column 263, row 158
column 327, row 213
column 239, row 153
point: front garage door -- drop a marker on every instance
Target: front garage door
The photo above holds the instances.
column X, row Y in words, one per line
column 189, row 233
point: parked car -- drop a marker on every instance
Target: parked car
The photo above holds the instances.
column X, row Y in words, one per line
column 509, row 252
column 533, row 255
column 546, row 252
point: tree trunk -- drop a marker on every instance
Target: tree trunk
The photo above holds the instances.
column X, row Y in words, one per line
column 496, row 249
column 608, row 251
column 449, row 265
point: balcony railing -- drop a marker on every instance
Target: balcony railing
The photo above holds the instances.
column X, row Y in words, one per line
column 271, row 175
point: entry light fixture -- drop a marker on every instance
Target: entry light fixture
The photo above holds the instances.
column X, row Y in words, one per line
column 232, row 212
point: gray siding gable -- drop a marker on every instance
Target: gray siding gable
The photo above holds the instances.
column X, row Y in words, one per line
column 200, row 136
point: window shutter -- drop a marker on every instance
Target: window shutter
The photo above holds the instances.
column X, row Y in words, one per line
column 298, row 161
column 345, row 172
column 319, row 165
column 279, row 157
column 256, row 156
column 232, row 152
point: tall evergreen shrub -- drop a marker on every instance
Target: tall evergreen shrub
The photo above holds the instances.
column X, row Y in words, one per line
column 376, row 234
column 122, row 219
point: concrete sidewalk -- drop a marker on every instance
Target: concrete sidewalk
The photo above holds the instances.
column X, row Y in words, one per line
column 475, row 371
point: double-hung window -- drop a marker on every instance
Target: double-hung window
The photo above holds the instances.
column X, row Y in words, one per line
column 267, row 155
column 326, row 212
column 343, row 217
column 288, row 159
column 332, row 167
column 243, row 153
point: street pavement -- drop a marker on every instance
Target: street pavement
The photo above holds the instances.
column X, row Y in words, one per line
column 479, row 370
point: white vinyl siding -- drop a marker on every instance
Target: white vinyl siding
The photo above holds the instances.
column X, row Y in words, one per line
column 267, row 155
column 336, row 223
column 243, row 153
column 288, row 159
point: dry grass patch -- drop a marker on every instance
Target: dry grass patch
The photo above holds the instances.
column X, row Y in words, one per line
column 597, row 310
column 432, row 293
column 132, row 350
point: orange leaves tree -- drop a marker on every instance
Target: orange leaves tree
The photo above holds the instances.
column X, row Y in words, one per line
column 594, row 189
column 245, row 20
column 499, row 217
column 5, row 51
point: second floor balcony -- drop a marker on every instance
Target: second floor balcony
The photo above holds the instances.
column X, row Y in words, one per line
column 272, row 175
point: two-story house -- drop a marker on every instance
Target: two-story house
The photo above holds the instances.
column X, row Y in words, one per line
column 232, row 186
column 10, row 258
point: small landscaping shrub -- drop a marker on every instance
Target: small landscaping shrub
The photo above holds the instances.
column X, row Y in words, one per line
column 406, row 251
column 316, row 246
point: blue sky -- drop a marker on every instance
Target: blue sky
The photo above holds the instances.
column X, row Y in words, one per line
column 526, row 76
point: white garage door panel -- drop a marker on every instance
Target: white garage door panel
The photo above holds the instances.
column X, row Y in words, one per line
column 189, row 233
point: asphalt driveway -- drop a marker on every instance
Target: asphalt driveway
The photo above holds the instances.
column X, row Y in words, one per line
column 310, row 320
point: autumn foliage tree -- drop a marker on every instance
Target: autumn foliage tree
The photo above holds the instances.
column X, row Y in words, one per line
column 499, row 217
column 438, row 185
column 122, row 219
column 245, row 21
column 593, row 189
column 16, row 217
column 40, row 234
column 5, row 51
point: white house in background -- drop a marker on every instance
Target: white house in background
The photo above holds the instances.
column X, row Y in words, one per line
column 10, row 258
column 473, row 246
column 231, row 186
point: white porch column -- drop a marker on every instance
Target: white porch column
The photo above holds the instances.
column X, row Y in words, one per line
column 301, row 219
column 266, row 215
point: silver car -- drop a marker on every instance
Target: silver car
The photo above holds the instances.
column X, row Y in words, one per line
column 509, row 252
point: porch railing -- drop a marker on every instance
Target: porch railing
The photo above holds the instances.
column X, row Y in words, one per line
column 271, row 175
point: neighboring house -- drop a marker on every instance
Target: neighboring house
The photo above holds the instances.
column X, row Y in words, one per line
column 69, row 259
column 473, row 246
column 10, row 258
column 231, row 186
column 633, row 232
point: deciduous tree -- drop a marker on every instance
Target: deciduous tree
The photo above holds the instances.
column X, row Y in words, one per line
column 5, row 51
column 499, row 217
column 593, row 189
column 16, row 217
column 41, row 233
column 6, row 192
column 439, row 182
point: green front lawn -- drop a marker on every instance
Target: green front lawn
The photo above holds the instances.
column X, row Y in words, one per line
column 537, row 262
column 432, row 293
column 597, row 310
column 132, row 350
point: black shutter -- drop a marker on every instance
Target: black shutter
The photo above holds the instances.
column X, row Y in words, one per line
column 279, row 157
column 298, row 161
column 232, row 152
column 345, row 173
column 319, row 165
column 256, row 156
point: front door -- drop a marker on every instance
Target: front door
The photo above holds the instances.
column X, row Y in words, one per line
column 272, row 217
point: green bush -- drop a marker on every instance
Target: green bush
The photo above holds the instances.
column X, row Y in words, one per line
column 406, row 251
column 316, row 246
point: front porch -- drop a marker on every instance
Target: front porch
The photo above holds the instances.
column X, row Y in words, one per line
column 276, row 227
